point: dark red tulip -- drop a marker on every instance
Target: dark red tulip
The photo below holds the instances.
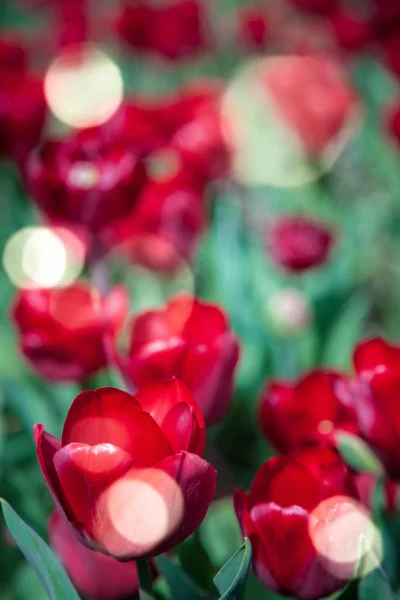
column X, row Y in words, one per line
column 351, row 32
column 62, row 330
column 85, row 180
column 164, row 229
column 375, row 393
column 128, row 473
column 174, row 31
column 308, row 411
column 13, row 57
column 298, row 243
column 316, row 6
column 72, row 22
column 391, row 44
column 393, row 123
column 284, row 516
column 191, row 340
column 313, row 99
column 22, row 114
column 254, row 27
column 94, row 575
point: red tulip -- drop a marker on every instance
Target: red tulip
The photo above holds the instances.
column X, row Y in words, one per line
column 375, row 393
column 164, row 229
column 191, row 340
column 128, row 473
column 282, row 517
column 12, row 56
column 313, row 99
column 175, row 31
column 62, row 330
column 253, row 27
column 393, row 123
column 84, row 180
column 94, row 575
column 391, row 44
column 351, row 32
column 298, row 243
column 310, row 410
column 22, row 114
column 72, row 22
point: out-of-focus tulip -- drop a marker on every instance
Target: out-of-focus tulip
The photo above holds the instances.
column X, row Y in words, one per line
column 308, row 411
column 62, row 330
column 165, row 227
column 128, row 473
column 312, row 98
column 71, row 22
column 12, row 56
column 393, row 123
column 375, row 394
column 22, row 114
column 175, row 31
column 191, row 340
column 253, row 27
column 351, row 32
column 95, row 575
column 84, row 180
column 298, row 243
column 279, row 515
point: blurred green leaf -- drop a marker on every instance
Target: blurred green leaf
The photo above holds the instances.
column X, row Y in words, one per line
column 179, row 583
column 375, row 586
column 46, row 565
column 220, row 532
column 357, row 454
column 231, row 579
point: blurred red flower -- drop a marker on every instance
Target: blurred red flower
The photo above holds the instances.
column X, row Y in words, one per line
column 191, row 340
column 62, row 330
column 351, row 31
column 316, row 6
column 85, row 179
column 13, row 56
column 175, row 31
column 278, row 514
column 94, row 575
column 308, row 411
column 254, row 27
column 297, row 243
column 22, row 113
column 375, row 393
column 128, row 473
column 313, row 98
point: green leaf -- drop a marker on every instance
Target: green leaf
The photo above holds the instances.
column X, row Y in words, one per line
column 231, row 579
column 179, row 583
column 357, row 454
column 220, row 533
column 50, row 572
column 375, row 586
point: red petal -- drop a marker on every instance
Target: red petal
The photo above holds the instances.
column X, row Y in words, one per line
column 240, row 502
column 94, row 575
column 149, row 511
column 46, row 448
column 159, row 398
column 182, row 430
column 116, row 307
column 108, row 415
column 84, row 473
column 374, row 356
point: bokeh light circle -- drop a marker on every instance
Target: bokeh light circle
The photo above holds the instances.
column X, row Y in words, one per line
column 266, row 148
column 83, row 86
column 43, row 257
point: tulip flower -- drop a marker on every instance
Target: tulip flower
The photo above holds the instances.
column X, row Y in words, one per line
column 191, row 340
column 85, row 180
column 310, row 410
column 62, row 330
column 298, row 243
column 287, row 515
column 127, row 473
column 94, row 575
column 351, row 32
column 375, row 392
column 254, row 27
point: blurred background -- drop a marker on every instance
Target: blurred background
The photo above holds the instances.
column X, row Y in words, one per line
column 268, row 133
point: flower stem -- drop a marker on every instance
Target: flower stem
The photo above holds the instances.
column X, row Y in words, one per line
column 145, row 578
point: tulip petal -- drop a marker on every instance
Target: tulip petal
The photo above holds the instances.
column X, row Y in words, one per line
column 149, row 511
column 159, row 398
column 46, row 448
column 109, row 415
column 182, row 430
column 84, row 472
column 375, row 356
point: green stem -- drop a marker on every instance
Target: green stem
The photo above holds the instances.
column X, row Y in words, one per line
column 144, row 577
